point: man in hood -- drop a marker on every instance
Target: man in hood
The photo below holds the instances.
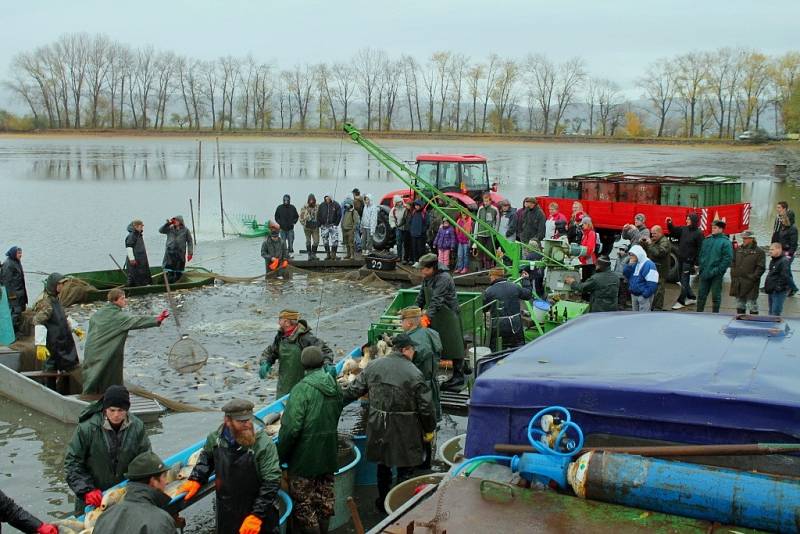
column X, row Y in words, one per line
column 136, row 263
column 274, row 252
column 310, row 222
column 716, row 256
column 178, row 249
column 637, row 233
column 329, row 216
column 104, row 354
column 642, row 276
column 53, row 331
column 286, row 216
column 12, row 277
column 308, row 443
column 690, row 239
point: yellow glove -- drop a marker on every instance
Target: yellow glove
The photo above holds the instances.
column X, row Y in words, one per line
column 427, row 438
column 80, row 332
column 42, row 353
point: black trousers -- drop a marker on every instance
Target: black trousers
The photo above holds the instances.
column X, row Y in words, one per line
column 417, row 248
column 385, row 478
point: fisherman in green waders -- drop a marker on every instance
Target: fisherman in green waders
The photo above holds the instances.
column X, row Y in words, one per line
column 105, row 342
column 293, row 336
column 439, row 302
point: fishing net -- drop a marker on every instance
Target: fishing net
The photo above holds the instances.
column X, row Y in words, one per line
column 74, row 291
column 187, row 355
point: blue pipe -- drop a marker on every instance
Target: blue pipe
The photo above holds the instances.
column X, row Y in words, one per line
column 456, row 469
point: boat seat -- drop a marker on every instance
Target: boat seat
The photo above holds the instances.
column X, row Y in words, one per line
column 43, row 374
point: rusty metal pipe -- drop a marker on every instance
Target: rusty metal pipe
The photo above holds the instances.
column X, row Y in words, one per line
column 674, row 450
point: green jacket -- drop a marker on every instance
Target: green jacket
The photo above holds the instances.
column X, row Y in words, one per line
column 105, row 347
column 286, row 351
column 659, row 252
column 749, row 264
column 308, row 440
column 716, row 256
column 140, row 512
column 426, row 357
column 603, row 289
column 97, row 457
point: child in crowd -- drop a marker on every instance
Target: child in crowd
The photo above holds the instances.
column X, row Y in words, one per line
column 444, row 242
column 462, row 231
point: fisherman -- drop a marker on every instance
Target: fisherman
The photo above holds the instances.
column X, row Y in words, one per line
column 506, row 312
column 179, row 247
column 142, row 511
column 248, row 473
column 484, row 233
column 286, row 216
column 351, row 221
column 17, row 517
column 310, row 223
column 690, row 239
column 642, row 277
column 12, row 277
column 439, row 302
column 53, row 330
column 329, row 216
column 637, row 232
column 369, row 222
column 528, row 222
column 104, row 355
column 401, row 417
column 136, row 263
column 292, row 337
column 427, row 353
column 602, row 287
column 659, row 249
column 308, row 443
column 274, row 252
column 102, row 447
column 716, row 256
column 749, row 263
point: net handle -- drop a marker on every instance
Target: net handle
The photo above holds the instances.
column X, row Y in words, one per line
column 171, row 302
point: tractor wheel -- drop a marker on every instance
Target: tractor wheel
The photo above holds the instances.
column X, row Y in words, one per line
column 383, row 237
column 674, row 272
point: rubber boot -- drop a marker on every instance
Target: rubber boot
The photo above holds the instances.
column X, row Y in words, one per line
column 349, row 255
column 309, row 251
column 327, row 252
column 324, row 525
column 456, row 382
column 334, row 252
column 740, row 311
column 314, row 252
column 753, row 313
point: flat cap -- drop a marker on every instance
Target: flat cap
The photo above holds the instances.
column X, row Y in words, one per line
column 239, row 409
column 401, row 341
column 410, row 312
column 145, row 465
column 289, row 314
column 429, row 260
column 748, row 234
column 311, row 357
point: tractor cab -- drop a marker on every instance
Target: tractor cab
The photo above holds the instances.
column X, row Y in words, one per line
column 466, row 174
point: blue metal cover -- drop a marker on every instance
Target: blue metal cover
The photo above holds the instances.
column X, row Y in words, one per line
column 681, row 377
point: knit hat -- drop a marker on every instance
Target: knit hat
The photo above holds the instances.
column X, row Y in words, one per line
column 289, row 314
column 117, row 397
column 396, row 199
column 311, row 357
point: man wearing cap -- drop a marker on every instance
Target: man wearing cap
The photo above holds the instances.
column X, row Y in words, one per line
column 602, row 287
column 401, row 414
column 136, row 263
column 529, row 221
column 178, row 249
column 286, row 216
column 659, row 250
column 103, row 444
column 142, row 510
column 17, row 517
column 53, row 331
column 716, row 255
column 637, row 232
column 749, row 263
column 248, row 474
column 427, row 353
column 437, row 298
column 292, row 337
column 274, row 252
column 104, row 355
column 308, row 443
column 505, row 313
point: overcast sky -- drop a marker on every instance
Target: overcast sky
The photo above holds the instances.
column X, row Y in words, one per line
column 617, row 38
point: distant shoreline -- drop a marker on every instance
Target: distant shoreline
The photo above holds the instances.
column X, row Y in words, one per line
column 517, row 137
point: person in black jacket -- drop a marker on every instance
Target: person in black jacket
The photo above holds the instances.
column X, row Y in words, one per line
column 17, row 517
column 136, row 263
column 506, row 316
column 778, row 280
column 786, row 235
column 286, row 216
column 690, row 239
column 329, row 215
column 12, row 277
column 528, row 222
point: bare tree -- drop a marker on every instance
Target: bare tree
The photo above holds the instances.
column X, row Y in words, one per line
column 411, row 82
column 164, row 69
column 391, row 76
column 474, row 77
column 592, row 89
column 458, row 70
column 99, row 60
column 210, row 89
column 609, row 108
column 659, row 89
column 344, row 79
column 540, row 74
column 753, row 84
column 570, row 76
column 327, row 93
column 692, row 70
column 441, row 62
column 367, row 66
column 490, row 72
column 503, row 94
column 300, row 83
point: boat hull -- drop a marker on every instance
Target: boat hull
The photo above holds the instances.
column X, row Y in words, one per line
column 104, row 281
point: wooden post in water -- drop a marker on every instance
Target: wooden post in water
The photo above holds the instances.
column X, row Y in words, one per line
column 199, row 159
column 191, row 212
column 221, row 206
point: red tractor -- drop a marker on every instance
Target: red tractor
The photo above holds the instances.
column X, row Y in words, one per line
column 462, row 177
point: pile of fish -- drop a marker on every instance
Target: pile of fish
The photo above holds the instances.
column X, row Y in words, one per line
column 353, row 366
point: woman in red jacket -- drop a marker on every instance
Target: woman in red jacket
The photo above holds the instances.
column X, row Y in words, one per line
column 588, row 258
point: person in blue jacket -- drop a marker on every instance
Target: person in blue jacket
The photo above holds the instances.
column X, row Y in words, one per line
column 642, row 276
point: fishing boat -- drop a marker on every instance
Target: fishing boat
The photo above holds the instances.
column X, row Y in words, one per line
column 102, row 282
column 21, row 382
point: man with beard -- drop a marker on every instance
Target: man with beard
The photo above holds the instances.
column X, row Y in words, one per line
column 12, row 277
column 310, row 223
column 247, row 471
column 179, row 248
column 136, row 264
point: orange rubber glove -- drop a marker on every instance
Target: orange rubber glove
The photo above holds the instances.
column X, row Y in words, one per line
column 284, row 264
column 273, row 264
column 425, row 321
column 191, row 487
column 250, row 525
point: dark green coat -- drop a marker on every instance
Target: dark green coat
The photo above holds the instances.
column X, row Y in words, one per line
column 104, row 354
column 97, row 457
column 603, row 289
column 439, row 299
column 716, row 256
column 749, row 263
column 426, row 357
column 308, row 440
column 286, row 351
column 400, row 410
column 659, row 252
column 140, row 512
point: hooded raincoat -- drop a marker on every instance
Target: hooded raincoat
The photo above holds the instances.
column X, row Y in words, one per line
column 643, row 275
column 179, row 244
column 426, row 358
column 439, row 300
column 12, row 277
column 52, row 328
column 136, row 263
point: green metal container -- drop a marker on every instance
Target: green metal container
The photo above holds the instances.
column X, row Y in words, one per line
column 564, row 188
column 692, row 195
column 600, row 175
column 724, row 189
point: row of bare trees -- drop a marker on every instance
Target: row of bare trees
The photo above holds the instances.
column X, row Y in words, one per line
column 91, row 81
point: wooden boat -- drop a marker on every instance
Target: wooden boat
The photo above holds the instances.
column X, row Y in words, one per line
column 19, row 381
column 104, row 281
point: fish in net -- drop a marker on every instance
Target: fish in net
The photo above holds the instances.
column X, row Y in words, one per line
column 187, row 355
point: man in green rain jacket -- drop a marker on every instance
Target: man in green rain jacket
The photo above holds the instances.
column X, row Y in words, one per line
column 105, row 342
column 308, row 443
column 293, row 336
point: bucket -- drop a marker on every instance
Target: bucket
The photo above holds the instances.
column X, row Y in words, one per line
column 540, row 310
column 285, row 509
column 344, row 482
column 401, row 493
column 451, row 451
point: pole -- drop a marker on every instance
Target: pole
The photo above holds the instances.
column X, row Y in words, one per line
column 199, row 159
column 675, row 450
column 221, row 207
column 191, row 212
